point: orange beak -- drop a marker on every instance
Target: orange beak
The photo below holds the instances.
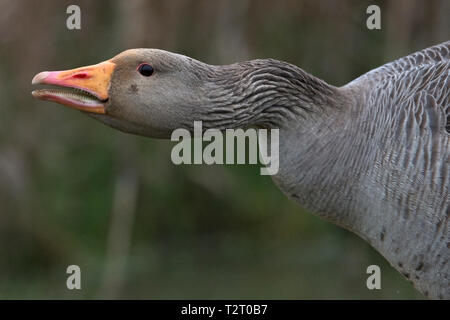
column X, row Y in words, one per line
column 84, row 88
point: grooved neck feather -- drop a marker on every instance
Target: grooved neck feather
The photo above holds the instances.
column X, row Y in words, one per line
column 261, row 93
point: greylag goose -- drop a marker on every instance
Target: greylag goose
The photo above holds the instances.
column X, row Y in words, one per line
column 371, row 156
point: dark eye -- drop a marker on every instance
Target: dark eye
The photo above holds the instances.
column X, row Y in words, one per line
column 145, row 69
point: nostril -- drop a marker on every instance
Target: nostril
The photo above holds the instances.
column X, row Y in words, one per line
column 80, row 75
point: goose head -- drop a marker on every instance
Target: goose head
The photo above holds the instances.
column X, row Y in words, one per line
column 152, row 92
column 147, row 92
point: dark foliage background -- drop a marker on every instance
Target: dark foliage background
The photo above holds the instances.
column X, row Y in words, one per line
column 73, row 191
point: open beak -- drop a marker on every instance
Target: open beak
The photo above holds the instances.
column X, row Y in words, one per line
column 84, row 88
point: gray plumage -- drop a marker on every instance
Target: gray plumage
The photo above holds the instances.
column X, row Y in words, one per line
column 371, row 156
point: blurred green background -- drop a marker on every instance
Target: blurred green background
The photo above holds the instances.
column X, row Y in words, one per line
column 73, row 191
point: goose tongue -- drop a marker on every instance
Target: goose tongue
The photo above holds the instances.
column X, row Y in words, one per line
column 84, row 88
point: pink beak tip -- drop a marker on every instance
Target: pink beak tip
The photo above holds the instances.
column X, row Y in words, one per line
column 40, row 77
